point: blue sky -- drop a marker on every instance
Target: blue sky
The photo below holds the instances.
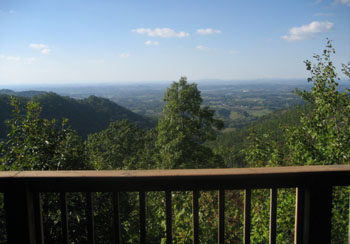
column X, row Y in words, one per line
column 75, row 41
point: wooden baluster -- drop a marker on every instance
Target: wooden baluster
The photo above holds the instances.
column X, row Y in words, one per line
column 64, row 217
column 116, row 218
column 273, row 215
column 142, row 199
column 195, row 211
column 90, row 218
column 169, row 219
column 247, row 209
column 221, row 227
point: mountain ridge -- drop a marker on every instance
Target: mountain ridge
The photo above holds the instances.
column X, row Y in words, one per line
column 86, row 116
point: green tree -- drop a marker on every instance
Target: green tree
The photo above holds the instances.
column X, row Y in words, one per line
column 186, row 125
column 35, row 143
column 123, row 145
column 324, row 136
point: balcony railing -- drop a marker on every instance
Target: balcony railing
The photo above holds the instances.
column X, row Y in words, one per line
column 313, row 197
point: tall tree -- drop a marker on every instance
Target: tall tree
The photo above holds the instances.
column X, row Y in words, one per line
column 186, row 125
column 322, row 137
column 324, row 134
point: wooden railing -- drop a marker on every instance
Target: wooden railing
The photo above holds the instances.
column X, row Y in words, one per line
column 313, row 197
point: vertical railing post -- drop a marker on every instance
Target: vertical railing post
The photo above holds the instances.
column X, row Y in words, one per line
column 38, row 218
column 142, row 200
column 90, row 218
column 221, row 210
column 169, row 218
column 20, row 214
column 317, row 213
column 116, row 218
column 299, row 215
column 247, row 211
column 195, row 212
column 273, row 215
column 349, row 221
column 64, row 218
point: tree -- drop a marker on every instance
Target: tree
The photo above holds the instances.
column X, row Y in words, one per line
column 123, row 145
column 324, row 134
column 186, row 125
column 35, row 143
column 322, row 137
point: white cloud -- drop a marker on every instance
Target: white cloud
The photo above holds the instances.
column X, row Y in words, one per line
column 44, row 49
column 37, row 46
column 344, row 2
column 208, row 31
column 202, row 48
column 323, row 14
column 151, row 43
column 160, row 32
column 124, row 55
column 30, row 60
column 13, row 58
column 19, row 59
column 308, row 31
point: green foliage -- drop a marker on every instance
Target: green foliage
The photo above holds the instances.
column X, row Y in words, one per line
column 324, row 137
column 233, row 145
column 185, row 127
column 323, row 134
column 122, row 145
column 40, row 144
column 261, row 152
column 340, row 214
column 321, row 137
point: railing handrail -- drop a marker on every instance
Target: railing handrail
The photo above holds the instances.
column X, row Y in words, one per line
column 179, row 179
column 174, row 172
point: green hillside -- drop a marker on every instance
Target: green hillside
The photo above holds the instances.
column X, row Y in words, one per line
column 230, row 144
column 86, row 116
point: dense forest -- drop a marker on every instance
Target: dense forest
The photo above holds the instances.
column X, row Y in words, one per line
column 46, row 131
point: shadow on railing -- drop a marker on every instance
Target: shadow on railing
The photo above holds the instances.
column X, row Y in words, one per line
column 313, row 196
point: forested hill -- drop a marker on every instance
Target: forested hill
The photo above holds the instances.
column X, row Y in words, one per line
column 268, row 124
column 271, row 125
column 86, row 116
column 20, row 93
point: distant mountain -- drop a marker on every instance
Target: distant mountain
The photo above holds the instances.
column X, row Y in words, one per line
column 86, row 116
column 20, row 93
